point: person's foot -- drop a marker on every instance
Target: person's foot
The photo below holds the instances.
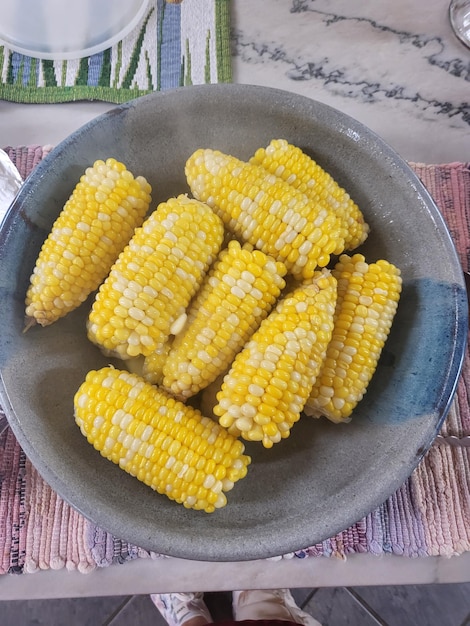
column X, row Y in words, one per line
column 179, row 608
column 275, row 604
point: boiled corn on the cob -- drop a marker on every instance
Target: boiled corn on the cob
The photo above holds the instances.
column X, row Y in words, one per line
column 265, row 210
column 95, row 224
column 167, row 445
column 298, row 169
column 236, row 296
column 368, row 296
column 264, row 392
column 152, row 367
column 152, row 282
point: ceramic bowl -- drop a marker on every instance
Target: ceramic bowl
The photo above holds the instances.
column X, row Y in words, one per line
column 324, row 477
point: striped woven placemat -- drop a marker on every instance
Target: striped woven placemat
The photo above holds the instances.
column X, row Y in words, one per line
column 428, row 516
column 176, row 43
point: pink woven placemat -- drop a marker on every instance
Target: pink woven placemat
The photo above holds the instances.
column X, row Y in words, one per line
column 428, row 516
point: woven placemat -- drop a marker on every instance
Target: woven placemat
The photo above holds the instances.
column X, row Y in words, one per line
column 176, row 43
column 428, row 516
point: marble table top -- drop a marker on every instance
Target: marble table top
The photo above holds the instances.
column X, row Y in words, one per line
column 394, row 66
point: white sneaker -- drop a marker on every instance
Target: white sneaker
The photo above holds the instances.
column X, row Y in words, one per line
column 178, row 608
column 269, row 604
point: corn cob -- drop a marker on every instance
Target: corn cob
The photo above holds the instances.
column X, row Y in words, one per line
column 93, row 227
column 264, row 392
column 167, row 445
column 152, row 367
column 236, row 296
column 303, row 173
column 145, row 296
column 265, row 211
column 368, row 296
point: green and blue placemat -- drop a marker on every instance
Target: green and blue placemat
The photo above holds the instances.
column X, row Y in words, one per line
column 175, row 44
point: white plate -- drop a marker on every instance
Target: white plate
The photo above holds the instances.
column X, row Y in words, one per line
column 61, row 30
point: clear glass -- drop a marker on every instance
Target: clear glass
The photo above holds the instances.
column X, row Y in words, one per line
column 459, row 15
column 67, row 29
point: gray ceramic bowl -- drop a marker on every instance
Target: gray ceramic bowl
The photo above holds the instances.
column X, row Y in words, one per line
column 324, row 477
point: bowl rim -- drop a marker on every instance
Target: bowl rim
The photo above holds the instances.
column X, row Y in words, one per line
column 254, row 550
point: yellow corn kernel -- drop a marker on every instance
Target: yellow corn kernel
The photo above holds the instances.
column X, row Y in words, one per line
column 152, row 365
column 95, row 224
column 298, row 169
column 265, row 390
column 264, row 210
column 153, row 280
column 153, row 437
column 237, row 294
column 368, row 296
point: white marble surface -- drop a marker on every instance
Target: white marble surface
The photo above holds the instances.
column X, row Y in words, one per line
column 396, row 67
column 163, row 575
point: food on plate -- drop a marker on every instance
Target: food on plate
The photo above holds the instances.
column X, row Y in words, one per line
column 266, row 211
column 368, row 295
column 95, row 224
column 264, row 392
column 302, row 172
column 222, row 303
column 154, row 278
column 237, row 294
column 167, row 445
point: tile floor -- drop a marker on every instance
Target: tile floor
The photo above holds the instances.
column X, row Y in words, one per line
column 424, row 605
